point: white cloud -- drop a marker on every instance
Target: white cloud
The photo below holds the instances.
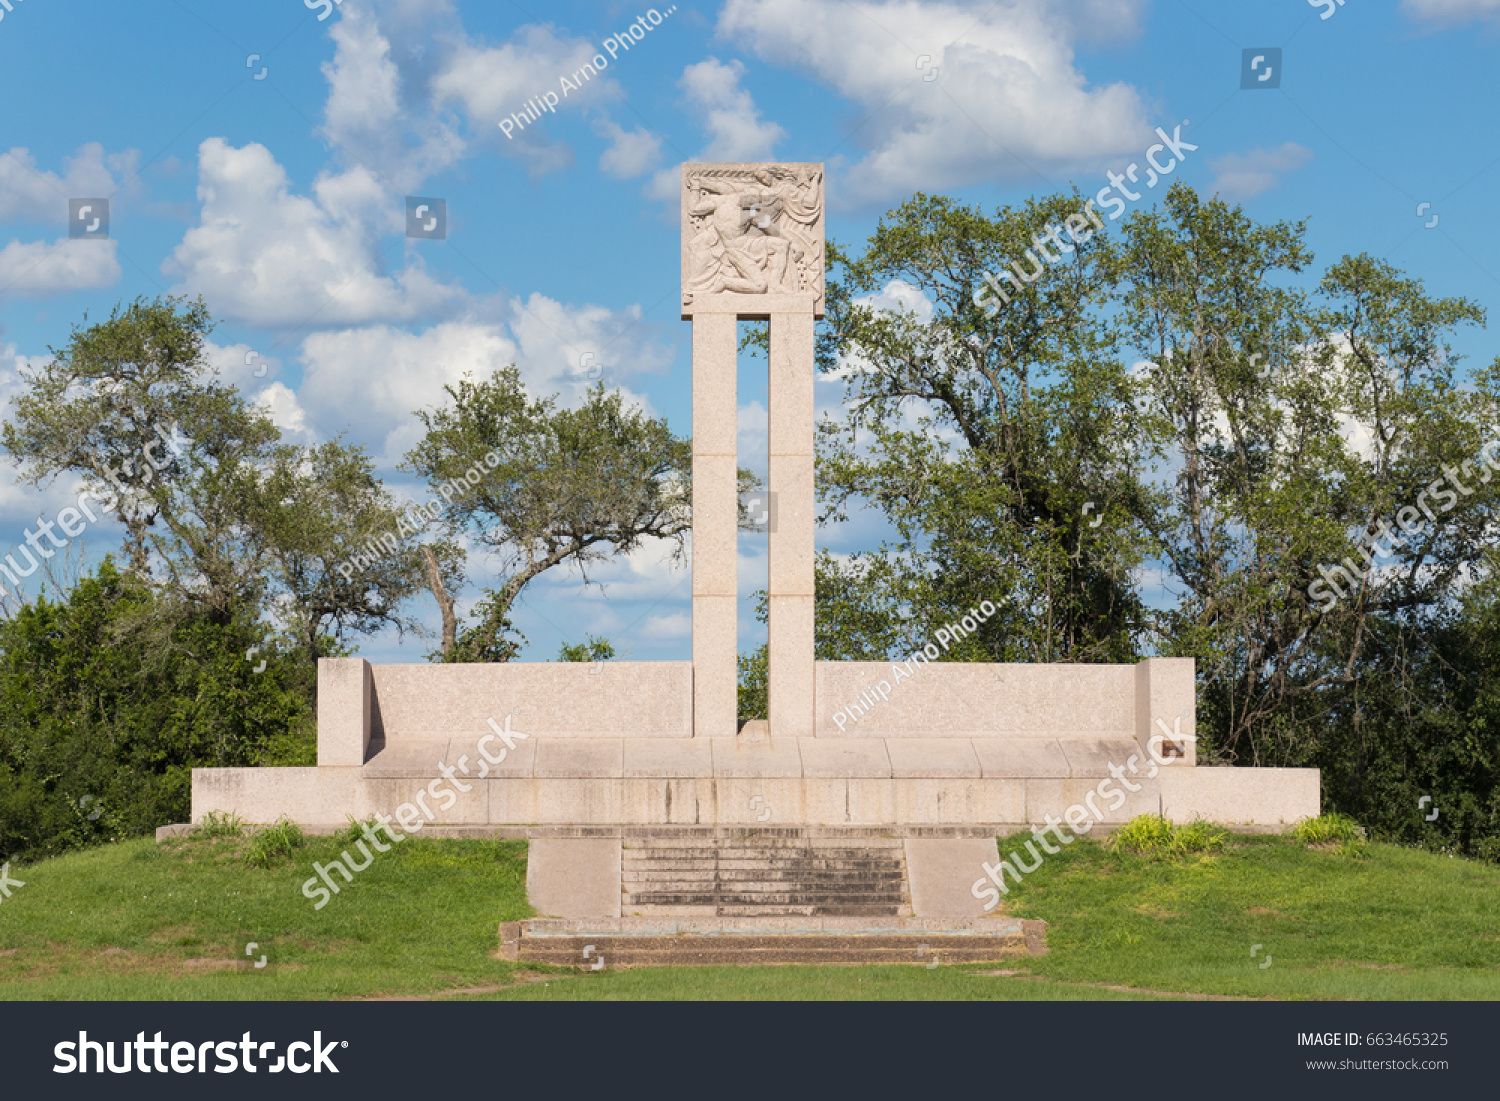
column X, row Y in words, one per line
column 567, row 348
column 368, row 117
column 263, row 254
column 728, row 114
column 32, row 268
column 1007, row 102
column 492, row 83
column 736, row 130
column 281, row 405
column 240, row 365
column 1241, row 176
column 369, row 382
column 630, row 152
column 29, row 192
column 671, row 625
column 1450, row 12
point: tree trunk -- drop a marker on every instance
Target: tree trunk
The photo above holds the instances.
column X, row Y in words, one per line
column 444, row 603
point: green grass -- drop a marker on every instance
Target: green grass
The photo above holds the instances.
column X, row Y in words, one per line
column 138, row 920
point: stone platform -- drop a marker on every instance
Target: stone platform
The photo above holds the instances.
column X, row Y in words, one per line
column 644, row 942
column 794, row 781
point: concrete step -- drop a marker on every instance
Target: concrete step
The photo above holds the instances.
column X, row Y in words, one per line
column 633, row 942
column 750, row 899
column 887, row 889
column 758, row 842
column 761, row 852
column 808, row 863
column 772, row 874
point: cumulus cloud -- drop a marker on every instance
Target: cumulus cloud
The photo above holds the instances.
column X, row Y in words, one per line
column 1446, row 13
column 368, row 382
column 494, row 83
column 369, row 114
column 266, row 255
column 30, row 192
column 727, row 113
column 1007, row 99
column 629, row 153
column 1241, row 176
column 29, row 269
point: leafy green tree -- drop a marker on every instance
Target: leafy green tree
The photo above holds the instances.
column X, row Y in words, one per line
column 987, row 436
column 218, row 512
column 110, row 696
column 538, row 486
column 1289, row 426
column 591, row 649
column 339, row 547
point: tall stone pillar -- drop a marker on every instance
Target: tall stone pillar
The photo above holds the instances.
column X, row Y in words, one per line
column 791, row 537
column 752, row 248
column 715, row 526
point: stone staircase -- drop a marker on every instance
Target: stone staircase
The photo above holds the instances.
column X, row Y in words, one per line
column 763, row 895
column 763, row 873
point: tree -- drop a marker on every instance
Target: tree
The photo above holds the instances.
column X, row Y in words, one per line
column 592, row 648
column 112, row 694
column 1288, row 426
column 988, row 437
column 540, row 486
column 218, row 512
column 339, row 547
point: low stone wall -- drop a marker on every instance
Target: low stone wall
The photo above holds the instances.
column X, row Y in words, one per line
column 867, row 699
column 358, row 702
column 761, row 795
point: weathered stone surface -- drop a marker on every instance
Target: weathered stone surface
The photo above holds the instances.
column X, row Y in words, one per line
column 555, row 699
column 941, row 872
column 574, row 877
column 344, row 711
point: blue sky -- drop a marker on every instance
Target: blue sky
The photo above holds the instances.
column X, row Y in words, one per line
column 262, row 156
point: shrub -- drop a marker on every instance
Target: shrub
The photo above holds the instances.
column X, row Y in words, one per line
column 274, row 843
column 1154, row 836
column 218, row 824
column 1331, row 831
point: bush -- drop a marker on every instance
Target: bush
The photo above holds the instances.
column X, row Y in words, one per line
column 274, row 844
column 1331, row 831
column 218, row 824
column 112, row 695
column 1153, row 836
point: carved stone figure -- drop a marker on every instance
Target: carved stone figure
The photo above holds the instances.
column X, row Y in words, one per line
column 752, row 229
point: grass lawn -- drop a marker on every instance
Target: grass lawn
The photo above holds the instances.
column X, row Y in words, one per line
column 138, row 920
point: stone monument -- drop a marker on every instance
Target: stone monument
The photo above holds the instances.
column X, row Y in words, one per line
column 752, row 249
column 876, row 792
